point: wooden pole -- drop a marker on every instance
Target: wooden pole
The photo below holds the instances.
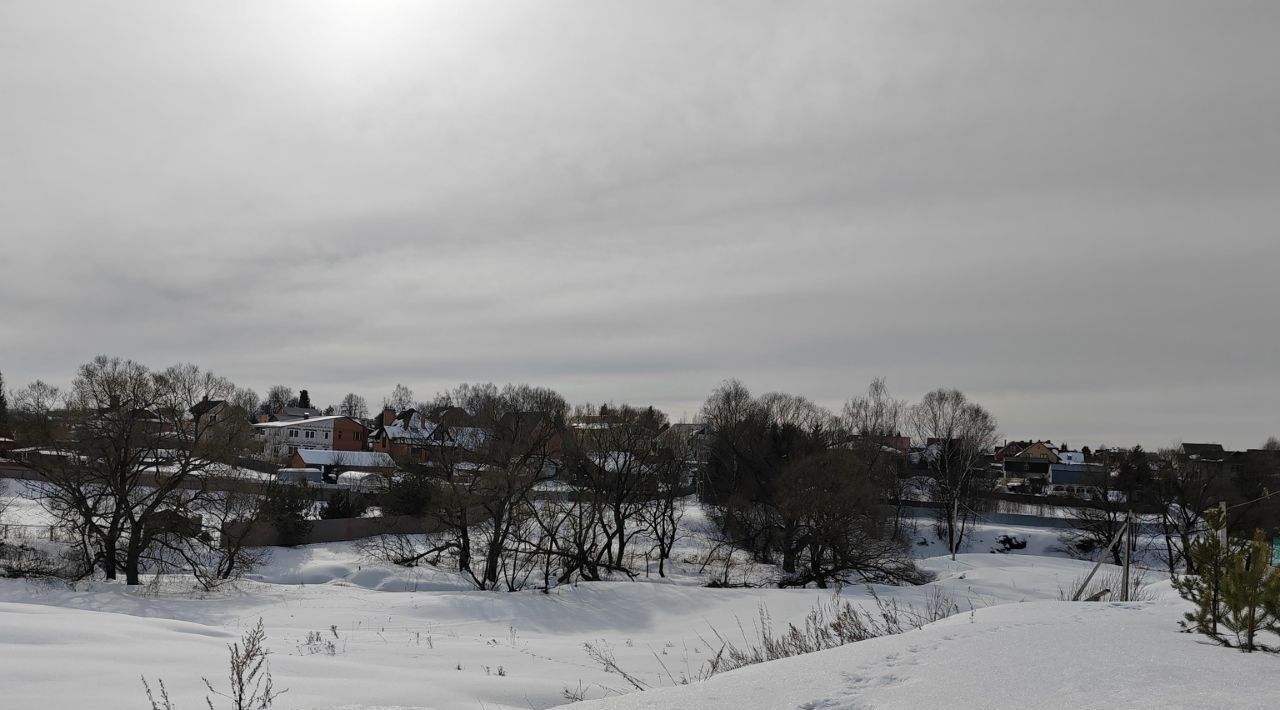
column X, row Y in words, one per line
column 1128, row 545
column 1076, row 597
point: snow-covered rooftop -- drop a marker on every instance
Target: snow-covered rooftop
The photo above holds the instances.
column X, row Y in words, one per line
column 298, row 422
column 325, row 457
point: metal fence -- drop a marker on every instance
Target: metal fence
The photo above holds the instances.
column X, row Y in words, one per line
column 31, row 533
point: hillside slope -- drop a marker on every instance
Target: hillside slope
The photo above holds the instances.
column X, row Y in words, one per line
column 1040, row 655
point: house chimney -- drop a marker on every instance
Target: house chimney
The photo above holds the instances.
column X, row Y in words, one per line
column 388, row 415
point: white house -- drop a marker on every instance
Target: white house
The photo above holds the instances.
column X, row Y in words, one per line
column 338, row 433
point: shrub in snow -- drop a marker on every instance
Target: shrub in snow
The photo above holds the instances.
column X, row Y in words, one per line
column 1103, row 586
column 316, row 643
column 249, row 677
column 344, row 504
column 828, row 625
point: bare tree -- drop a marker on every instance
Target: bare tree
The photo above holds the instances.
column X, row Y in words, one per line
column 246, row 399
column 4, row 408
column 1185, row 489
column 400, row 399
column 956, row 433
column 488, row 401
column 279, row 397
column 620, row 462
column 486, row 466
column 730, row 404
column 124, row 475
column 752, row 443
column 665, row 510
column 1119, row 485
column 798, row 487
column 876, row 420
column 354, row 406
column 215, row 550
column 840, row 525
column 35, row 417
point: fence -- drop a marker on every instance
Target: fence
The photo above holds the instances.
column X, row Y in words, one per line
column 261, row 534
column 30, row 533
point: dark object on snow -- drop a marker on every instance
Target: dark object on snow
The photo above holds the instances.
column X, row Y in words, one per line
column 1098, row 597
column 1010, row 543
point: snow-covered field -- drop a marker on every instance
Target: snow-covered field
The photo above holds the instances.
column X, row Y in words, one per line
column 346, row 632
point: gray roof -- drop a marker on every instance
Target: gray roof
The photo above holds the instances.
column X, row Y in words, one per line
column 363, row 459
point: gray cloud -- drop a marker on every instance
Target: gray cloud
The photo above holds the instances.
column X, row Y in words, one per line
column 1066, row 209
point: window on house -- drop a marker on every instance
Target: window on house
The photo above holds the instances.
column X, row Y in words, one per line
column 293, row 432
column 311, row 434
column 326, row 435
column 357, row 435
column 337, row 436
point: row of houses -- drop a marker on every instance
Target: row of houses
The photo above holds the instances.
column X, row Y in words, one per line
column 1033, row 465
column 297, row 438
column 304, row 438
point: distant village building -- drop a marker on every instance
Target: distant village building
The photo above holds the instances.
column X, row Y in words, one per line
column 1041, row 462
column 332, row 462
column 289, row 414
column 280, row 439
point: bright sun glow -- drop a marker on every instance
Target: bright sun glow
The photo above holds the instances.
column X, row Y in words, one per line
column 346, row 42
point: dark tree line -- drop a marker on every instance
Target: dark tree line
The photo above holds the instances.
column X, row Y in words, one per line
column 803, row 489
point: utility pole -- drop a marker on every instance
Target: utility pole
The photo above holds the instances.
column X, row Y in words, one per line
column 1222, row 533
column 1128, row 545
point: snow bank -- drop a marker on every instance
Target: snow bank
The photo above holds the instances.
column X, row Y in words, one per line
column 1041, row 655
column 346, row 632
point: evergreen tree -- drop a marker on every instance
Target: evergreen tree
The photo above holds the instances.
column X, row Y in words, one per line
column 304, row 399
column 4, row 408
column 1251, row 595
column 286, row 506
column 411, row 494
column 344, row 504
column 1236, row 591
column 1209, row 556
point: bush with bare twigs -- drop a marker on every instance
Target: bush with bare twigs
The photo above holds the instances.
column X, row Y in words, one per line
column 249, row 676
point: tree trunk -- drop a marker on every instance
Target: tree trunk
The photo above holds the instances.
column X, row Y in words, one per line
column 1168, row 542
column 109, row 559
column 620, row 523
column 952, row 514
column 132, row 564
column 788, row 555
column 493, row 551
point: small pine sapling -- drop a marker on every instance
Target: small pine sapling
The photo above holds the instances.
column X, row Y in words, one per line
column 1251, row 596
column 1210, row 557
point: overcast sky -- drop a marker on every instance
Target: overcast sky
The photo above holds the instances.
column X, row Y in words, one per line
column 1070, row 210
